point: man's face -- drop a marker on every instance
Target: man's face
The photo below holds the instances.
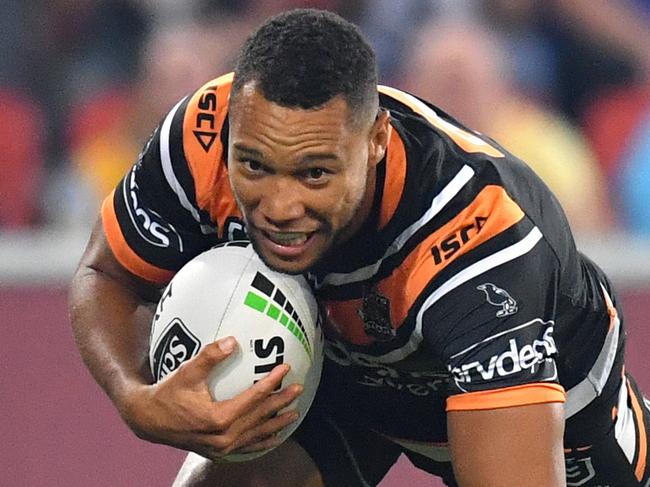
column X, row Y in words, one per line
column 304, row 179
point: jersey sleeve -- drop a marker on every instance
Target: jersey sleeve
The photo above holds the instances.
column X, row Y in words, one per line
column 498, row 345
column 176, row 201
column 153, row 220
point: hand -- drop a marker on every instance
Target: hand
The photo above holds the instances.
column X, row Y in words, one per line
column 179, row 410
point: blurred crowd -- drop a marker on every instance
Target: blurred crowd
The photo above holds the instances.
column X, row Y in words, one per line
column 563, row 84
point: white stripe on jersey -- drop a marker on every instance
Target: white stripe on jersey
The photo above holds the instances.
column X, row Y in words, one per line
column 518, row 249
column 497, row 335
column 168, row 169
column 433, row 118
column 439, row 202
column 624, row 430
column 580, row 395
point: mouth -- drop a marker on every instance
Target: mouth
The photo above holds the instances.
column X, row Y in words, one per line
column 288, row 239
column 287, row 244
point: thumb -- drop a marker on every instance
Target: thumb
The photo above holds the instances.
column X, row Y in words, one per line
column 213, row 353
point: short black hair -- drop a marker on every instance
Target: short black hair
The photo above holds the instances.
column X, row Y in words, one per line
column 303, row 58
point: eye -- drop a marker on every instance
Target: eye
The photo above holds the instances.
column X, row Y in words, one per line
column 316, row 175
column 251, row 166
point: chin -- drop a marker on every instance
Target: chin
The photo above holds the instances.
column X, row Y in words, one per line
column 290, row 268
column 277, row 264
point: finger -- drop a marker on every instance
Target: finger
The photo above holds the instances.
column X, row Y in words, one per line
column 277, row 402
column 269, row 429
column 198, row 368
column 234, row 415
column 243, row 411
column 248, row 400
column 263, row 438
column 264, row 444
column 265, row 412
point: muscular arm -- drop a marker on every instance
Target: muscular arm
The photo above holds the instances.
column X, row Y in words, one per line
column 110, row 312
column 511, row 447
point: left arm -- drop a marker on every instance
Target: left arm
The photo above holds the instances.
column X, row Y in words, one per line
column 510, row 447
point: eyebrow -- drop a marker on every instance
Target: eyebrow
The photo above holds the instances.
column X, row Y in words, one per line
column 318, row 156
column 249, row 151
column 315, row 156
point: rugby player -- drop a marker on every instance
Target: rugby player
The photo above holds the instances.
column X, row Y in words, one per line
column 463, row 327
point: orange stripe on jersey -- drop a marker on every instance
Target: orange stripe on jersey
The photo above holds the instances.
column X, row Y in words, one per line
column 491, row 212
column 464, row 139
column 202, row 125
column 611, row 310
column 123, row 253
column 578, row 449
column 639, row 470
column 395, row 176
column 537, row 393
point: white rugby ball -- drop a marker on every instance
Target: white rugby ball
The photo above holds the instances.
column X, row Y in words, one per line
column 229, row 291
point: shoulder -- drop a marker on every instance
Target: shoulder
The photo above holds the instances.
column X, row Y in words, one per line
column 404, row 104
column 193, row 136
column 204, row 114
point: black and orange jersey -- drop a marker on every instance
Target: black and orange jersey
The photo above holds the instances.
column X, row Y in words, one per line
column 464, row 291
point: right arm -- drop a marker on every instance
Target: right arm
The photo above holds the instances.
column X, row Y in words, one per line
column 111, row 311
column 151, row 225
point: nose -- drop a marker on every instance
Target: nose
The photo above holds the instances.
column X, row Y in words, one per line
column 281, row 204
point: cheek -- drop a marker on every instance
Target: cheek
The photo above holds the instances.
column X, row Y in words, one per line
column 243, row 191
column 345, row 198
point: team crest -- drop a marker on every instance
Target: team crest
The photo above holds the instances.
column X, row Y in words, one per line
column 375, row 313
column 500, row 298
column 579, row 471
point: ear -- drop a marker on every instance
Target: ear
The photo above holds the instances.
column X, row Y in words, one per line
column 378, row 137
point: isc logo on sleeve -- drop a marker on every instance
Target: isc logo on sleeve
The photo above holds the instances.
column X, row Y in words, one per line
column 205, row 131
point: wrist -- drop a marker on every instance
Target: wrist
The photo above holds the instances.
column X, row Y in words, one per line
column 132, row 402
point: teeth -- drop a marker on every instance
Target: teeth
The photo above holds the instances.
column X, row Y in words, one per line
column 288, row 238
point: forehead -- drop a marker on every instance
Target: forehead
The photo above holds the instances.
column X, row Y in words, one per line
column 253, row 116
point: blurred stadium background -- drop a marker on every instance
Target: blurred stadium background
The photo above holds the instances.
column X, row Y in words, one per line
column 564, row 84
